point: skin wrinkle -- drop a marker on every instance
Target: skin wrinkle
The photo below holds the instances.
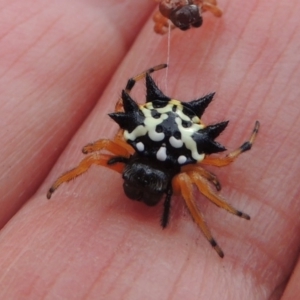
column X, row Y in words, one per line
column 280, row 54
column 109, row 261
column 7, row 288
column 288, row 15
column 280, row 211
column 276, row 61
column 268, row 163
column 262, row 278
column 125, row 267
column 70, row 259
column 231, row 54
column 27, row 19
column 137, row 272
column 243, row 79
column 239, row 88
column 268, row 169
column 137, row 275
column 290, row 158
column 210, row 45
column 255, row 283
column 56, row 279
column 127, row 291
column 30, row 286
column 30, row 47
column 45, row 91
column 181, row 274
column 203, row 283
column 229, row 235
column 18, row 160
column 42, row 57
column 251, row 66
column 124, row 25
column 17, row 258
column 16, row 137
column 49, row 88
column 21, row 254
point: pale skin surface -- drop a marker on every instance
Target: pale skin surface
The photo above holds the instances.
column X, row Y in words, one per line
column 91, row 242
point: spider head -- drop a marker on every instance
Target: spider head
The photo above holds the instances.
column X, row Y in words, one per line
column 186, row 17
column 183, row 14
column 146, row 180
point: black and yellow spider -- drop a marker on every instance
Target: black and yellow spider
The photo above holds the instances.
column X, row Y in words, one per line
column 159, row 150
column 183, row 14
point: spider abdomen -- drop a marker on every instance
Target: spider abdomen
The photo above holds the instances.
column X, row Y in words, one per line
column 166, row 133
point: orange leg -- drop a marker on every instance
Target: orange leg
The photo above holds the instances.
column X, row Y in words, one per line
column 183, row 184
column 204, row 173
column 212, row 7
column 131, row 82
column 119, row 139
column 161, row 23
column 119, row 105
column 224, row 161
column 206, row 190
column 85, row 164
column 117, row 147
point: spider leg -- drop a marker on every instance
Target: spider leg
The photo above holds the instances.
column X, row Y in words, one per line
column 117, row 147
column 85, row 164
column 206, row 190
column 214, row 2
column 183, row 184
column 131, row 82
column 204, row 173
column 212, row 7
column 167, row 205
column 118, row 159
column 161, row 23
column 224, row 161
column 209, row 5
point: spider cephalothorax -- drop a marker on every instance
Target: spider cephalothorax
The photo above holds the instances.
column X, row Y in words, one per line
column 159, row 149
column 183, row 14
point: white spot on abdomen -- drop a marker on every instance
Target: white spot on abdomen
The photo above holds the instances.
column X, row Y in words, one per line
column 156, row 136
column 161, row 154
column 140, row 146
column 175, row 143
column 138, row 131
column 181, row 159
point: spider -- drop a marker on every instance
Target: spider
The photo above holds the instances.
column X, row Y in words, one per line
column 183, row 13
column 159, row 150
